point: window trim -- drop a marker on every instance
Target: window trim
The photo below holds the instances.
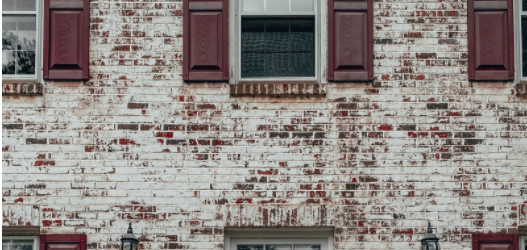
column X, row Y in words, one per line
column 522, row 242
column 232, row 235
column 39, row 45
column 279, row 241
column 320, row 43
column 36, row 244
column 518, row 40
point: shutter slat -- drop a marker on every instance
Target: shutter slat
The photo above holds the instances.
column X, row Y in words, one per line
column 491, row 47
column 205, row 6
column 351, row 6
column 490, row 5
column 205, row 40
column 66, row 4
column 350, row 52
column 66, row 40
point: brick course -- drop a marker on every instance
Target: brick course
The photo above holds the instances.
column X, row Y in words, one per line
column 183, row 161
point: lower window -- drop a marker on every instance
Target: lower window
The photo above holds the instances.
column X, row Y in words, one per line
column 19, row 243
column 279, row 244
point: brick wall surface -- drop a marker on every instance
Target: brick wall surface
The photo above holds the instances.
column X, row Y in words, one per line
column 183, row 161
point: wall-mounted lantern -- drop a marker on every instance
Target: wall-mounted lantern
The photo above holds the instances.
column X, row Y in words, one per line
column 430, row 240
column 129, row 241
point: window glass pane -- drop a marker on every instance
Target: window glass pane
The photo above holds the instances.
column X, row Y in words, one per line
column 25, row 5
column 278, row 47
column 277, row 64
column 253, row 64
column 8, row 5
column 253, row 5
column 17, row 244
column 305, row 5
column 524, row 46
column 25, row 63
column 277, row 6
column 18, row 44
column 307, row 247
column 250, row 247
column 302, row 35
column 303, row 64
column 8, row 62
column 253, row 38
column 277, row 247
column 524, row 4
column 9, row 38
column 27, row 38
column 277, row 36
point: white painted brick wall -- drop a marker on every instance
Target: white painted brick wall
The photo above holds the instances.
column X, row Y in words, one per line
column 182, row 161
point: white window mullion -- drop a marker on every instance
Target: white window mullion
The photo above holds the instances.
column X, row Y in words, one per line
column 19, row 12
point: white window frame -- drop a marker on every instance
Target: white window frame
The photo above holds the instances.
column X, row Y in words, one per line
column 523, row 239
column 34, row 238
column 518, row 39
column 39, row 45
column 246, row 236
column 320, row 43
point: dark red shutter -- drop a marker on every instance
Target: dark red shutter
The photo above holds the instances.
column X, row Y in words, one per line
column 490, row 40
column 495, row 242
column 205, row 40
column 350, row 41
column 66, row 39
column 62, row 242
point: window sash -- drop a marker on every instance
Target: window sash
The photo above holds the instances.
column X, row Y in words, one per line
column 522, row 74
column 315, row 14
column 518, row 55
column 266, row 51
column 19, row 12
column 38, row 47
column 264, row 11
column 34, row 238
column 323, row 242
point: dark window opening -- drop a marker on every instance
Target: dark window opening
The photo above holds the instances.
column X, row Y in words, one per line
column 524, row 45
column 278, row 47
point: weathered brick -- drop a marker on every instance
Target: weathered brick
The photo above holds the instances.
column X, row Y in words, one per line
column 134, row 105
column 128, row 126
column 437, row 105
column 36, row 141
column 12, row 126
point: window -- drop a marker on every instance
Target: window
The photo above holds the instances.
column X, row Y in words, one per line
column 522, row 42
column 19, row 242
column 523, row 243
column 279, row 244
column 278, row 40
column 20, row 39
column 279, row 239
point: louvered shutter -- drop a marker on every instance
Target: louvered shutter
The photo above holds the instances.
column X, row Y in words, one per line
column 495, row 242
column 66, row 39
column 350, row 31
column 490, row 40
column 205, row 40
column 62, row 242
